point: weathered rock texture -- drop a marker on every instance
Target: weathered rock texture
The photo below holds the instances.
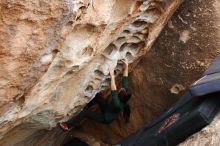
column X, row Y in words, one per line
column 178, row 58
column 209, row 19
column 55, row 55
column 180, row 55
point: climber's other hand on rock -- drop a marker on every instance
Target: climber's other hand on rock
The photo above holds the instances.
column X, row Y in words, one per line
column 111, row 71
column 125, row 62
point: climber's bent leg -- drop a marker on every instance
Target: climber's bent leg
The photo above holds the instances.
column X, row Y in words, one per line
column 77, row 119
column 95, row 116
column 73, row 121
column 86, row 113
column 98, row 117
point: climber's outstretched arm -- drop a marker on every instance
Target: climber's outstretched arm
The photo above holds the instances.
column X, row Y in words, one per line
column 111, row 72
column 116, row 102
column 125, row 75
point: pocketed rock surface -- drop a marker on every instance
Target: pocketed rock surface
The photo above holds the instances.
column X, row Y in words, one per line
column 55, row 56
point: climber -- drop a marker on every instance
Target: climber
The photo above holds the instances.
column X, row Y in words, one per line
column 109, row 110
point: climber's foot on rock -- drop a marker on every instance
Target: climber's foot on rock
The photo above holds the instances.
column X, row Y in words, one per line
column 64, row 126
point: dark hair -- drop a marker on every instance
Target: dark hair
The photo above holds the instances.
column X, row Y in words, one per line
column 126, row 113
column 124, row 96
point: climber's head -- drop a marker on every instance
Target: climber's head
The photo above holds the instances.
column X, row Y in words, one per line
column 124, row 94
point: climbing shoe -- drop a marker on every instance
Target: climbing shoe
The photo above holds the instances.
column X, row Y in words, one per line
column 64, row 126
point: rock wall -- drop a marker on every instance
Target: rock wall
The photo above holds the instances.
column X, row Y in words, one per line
column 55, row 57
column 209, row 20
column 182, row 52
column 178, row 57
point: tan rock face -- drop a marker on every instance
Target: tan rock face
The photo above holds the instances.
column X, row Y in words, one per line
column 55, row 55
column 170, row 64
column 24, row 37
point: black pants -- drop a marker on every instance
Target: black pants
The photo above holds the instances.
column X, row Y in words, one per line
column 87, row 113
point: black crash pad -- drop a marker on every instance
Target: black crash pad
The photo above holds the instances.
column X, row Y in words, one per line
column 209, row 82
column 194, row 110
column 177, row 123
column 214, row 67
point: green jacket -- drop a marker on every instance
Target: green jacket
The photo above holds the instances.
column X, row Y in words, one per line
column 116, row 105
